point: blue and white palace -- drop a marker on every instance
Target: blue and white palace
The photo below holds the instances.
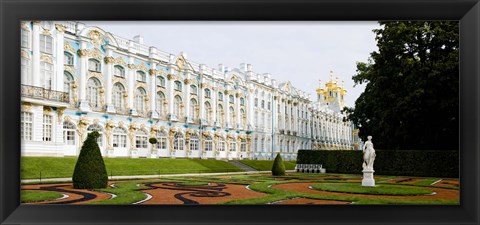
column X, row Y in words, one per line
column 78, row 79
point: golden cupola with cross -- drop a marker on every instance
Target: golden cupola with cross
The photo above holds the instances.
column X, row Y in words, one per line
column 332, row 95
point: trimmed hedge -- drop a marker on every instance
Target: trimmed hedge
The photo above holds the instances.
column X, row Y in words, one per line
column 278, row 168
column 422, row 163
column 90, row 171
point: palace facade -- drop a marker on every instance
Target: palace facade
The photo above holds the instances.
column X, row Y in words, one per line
column 77, row 79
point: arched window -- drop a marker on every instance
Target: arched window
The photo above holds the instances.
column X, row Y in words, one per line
column 208, row 93
column 162, row 140
column 46, row 73
column 178, row 85
column 242, row 101
column 256, row 102
column 160, row 103
column 231, row 99
column 232, row 115
column 94, row 65
column 208, row 144
column 118, row 71
column 160, row 81
column 46, row 44
column 67, row 82
column 221, row 145
column 117, row 98
column 177, row 105
column 119, row 137
column 193, row 109
column 93, row 92
column 99, row 129
column 262, row 145
column 220, row 114
column 141, row 76
column 194, row 142
column 178, row 142
column 140, row 95
column 220, row 96
column 243, row 117
column 208, row 112
column 193, row 89
column 67, row 59
column 141, row 139
column 69, row 131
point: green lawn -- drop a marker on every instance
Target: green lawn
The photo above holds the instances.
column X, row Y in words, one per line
column 54, row 167
column 37, row 196
column 382, row 189
column 266, row 165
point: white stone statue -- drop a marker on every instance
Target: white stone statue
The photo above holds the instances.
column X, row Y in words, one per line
column 368, row 154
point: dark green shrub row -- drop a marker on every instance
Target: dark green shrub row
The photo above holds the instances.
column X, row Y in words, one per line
column 422, row 163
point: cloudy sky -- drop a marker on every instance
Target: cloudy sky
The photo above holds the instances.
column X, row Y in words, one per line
column 301, row 52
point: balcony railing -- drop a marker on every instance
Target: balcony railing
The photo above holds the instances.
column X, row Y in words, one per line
column 42, row 93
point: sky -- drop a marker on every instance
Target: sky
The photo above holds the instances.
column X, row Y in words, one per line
column 300, row 52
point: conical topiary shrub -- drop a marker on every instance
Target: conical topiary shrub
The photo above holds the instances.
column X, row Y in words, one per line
column 90, row 171
column 278, row 168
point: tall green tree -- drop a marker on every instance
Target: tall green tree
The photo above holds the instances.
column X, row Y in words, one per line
column 90, row 171
column 411, row 99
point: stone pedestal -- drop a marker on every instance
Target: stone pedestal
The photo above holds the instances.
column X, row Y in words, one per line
column 368, row 180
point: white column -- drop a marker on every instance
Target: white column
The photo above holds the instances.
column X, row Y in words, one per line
column 214, row 105
column 170, row 92
column 108, row 80
column 83, row 105
column 36, row 54
column 186, row 97
column 58, row 75
column 130, row 71
column 153, row 90
column 237, row 113
column 250, row 105
column 226, row 98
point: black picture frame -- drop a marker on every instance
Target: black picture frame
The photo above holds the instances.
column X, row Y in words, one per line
column 12, row 12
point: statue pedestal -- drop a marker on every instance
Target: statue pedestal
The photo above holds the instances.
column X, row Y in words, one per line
column 368, row 180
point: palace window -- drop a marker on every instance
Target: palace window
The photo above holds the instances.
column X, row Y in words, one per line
column 255, row 143
column 94, row 65
column 263, row 104
column 46, row 44
column 25, row 70
column 25, row 38
column 220, row 114
column 193, row 89
column 231, row 99
column 93, row 92
column 141, row 139
column 140, row 96
column 118, row 97
column 118, row 71
column 242, row 101
column 67, row 59
column 233, row 146
column 178, row 142
column 162, row 140
column 160, row 103
column 243, row 117
column 177, row 105
column 220, row 96
column 256, row 102
column 262, row 145
column 178, row 85
column 194, row 142
column 141, row 76
column 99, row 129
column 47, row 128
column 119, row 138
column 69, row 133
column 232, row 115
column 67, row 83
column 208, row 112
column 208, row 93
column 208, row 144
column 160, row 81
column 193, row 109
column 26, row 126
column 221, row 145
column 46, row 73
column 268, row 105
column 243, row 145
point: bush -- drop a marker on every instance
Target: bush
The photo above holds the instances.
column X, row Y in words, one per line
column 90, row 171
column 153, row 140
column 278, row 168
column 423, row 163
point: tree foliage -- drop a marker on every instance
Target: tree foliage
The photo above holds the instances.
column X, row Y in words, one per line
column 411, row 99
column 278, row 168
column 90, row 171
